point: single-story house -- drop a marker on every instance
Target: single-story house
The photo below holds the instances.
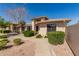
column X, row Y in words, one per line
column 43, row 25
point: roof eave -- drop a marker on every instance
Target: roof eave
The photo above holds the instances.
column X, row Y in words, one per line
column 54, row 21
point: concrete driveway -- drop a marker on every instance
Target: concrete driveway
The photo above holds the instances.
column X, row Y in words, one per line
column 37, row 47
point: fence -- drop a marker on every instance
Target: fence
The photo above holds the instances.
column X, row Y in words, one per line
column 73, row 38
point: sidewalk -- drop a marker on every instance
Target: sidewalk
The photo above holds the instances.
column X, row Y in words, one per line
column 42, row 48
column 62, row 50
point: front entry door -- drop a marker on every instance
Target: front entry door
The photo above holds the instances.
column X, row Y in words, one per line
column 37, row 28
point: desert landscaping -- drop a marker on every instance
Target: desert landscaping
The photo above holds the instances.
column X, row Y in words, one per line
column 32, row 46
column 25, row 32
column 21, row 40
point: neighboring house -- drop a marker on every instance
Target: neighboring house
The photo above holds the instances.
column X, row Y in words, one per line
column 19, row 28
column 43, row 25
column 16, row 27
column 28, row 26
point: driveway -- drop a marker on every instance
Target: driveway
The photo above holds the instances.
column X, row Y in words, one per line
column 36, row 47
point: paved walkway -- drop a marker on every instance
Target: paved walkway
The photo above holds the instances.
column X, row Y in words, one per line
column 42, row 45
column 43, row 48
column 61, row 50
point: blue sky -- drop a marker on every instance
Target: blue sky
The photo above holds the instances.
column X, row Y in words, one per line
column 52, row 10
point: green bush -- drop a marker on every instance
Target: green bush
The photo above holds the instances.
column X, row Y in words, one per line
column 45, row 37
column 5, row 31
column 28, row 33
column 3, row 36
column 0, row 31
column 56, row 37
column 38, row 36
column 17, row 41
column 6, row 40
column 3, row 43
column 35, row 32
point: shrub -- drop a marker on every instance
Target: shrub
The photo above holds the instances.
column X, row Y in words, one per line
column 0, row 31
column 45, row 37
column 17, row 41
column 56, row 37
column 6, row 40
column 38, row 36
column 28, row 33
column 35, row 32
column 3, row 43
column 3, row 36
column 5, row 31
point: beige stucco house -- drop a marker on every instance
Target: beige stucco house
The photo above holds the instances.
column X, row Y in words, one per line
column 14, row 27
column 43, row 25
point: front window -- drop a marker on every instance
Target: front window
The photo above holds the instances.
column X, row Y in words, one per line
column 28, row 28
column 51, row 27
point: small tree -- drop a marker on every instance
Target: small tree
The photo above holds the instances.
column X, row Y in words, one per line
column 3, row 23
column 7, row 24
column 17, row 15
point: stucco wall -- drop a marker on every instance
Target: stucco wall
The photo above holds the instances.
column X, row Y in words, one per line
column 7, row 28
column 43, row 29
column 73, row 38
column 60, row 27
column 0, row 28
column 33, row 25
